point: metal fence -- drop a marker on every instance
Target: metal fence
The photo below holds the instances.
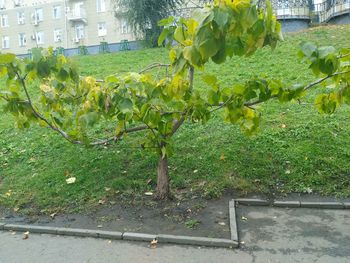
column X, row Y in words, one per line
column 330, row 8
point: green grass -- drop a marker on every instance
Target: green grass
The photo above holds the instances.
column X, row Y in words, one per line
column 296, row 150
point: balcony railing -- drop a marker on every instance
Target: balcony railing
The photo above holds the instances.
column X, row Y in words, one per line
column 331, row 8
column 77, row 16
column 320, row 12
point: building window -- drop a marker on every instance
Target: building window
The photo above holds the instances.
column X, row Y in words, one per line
column 79, row 9
column 124, row 27
column 38, row 15
column 101, row 5
column 57, row 12
column 57, row 35
column 2, row 4
column 21, row 18
column 79, row 32
column 39, row 36
column 5, row 42
column 22, row 40
column 102, row 29
column 4, row 20
column 17, row 2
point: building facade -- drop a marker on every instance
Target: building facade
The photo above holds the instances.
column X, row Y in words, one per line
column 25, row 24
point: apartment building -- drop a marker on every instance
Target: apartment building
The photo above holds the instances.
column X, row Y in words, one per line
column 25, row 24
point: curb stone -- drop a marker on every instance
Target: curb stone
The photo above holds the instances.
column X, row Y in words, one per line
column 77, row 232
column 138, row 237
column 278, row 203
column 253, row 202
column 294, row 204
column 110, row 234
column 32, row 229
column 198, row 241
column 182, row 240
column 233, row 221
column 327, row 205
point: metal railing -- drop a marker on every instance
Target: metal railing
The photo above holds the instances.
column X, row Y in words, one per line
column 75, row 15
column 331, row 8
column 291, row 9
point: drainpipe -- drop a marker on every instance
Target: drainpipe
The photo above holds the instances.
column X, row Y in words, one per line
column 65, row 22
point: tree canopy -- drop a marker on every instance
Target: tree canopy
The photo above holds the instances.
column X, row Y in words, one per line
column 143, row 16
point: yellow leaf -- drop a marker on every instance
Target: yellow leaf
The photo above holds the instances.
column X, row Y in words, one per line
column 222, row 157
column 25, row 235
column 154, row 243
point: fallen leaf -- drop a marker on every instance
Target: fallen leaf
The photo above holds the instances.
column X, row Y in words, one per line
column 102, row 201
column 25, row 235
column 149, row 193
column 53, row 215
column 222, row 157
column 71, row 180
column 154, row 243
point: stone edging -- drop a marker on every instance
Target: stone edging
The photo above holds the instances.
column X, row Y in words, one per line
column 171, row 239
column 293, row 204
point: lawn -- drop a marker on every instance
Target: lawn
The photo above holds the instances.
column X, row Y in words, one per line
column 297, row 149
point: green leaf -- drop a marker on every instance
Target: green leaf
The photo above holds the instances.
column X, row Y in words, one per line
column 163, row 36
column 206, row 43
column 211, row 80
column 308, row 49
column 193, row 56
column 125, row 105
column 7, row 58
column 88, row 119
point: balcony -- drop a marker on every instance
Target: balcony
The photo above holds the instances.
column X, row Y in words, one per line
column 78, row 15
column 326, row 10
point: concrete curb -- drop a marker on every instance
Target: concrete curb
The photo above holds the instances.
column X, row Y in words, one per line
column 233, row 221
column 252, row 201
column 293, row 204
column 172, row 239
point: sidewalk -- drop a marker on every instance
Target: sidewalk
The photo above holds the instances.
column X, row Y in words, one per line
column 269, row 235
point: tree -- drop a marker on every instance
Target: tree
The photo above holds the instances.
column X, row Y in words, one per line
column 143, row 16
column 142, row 103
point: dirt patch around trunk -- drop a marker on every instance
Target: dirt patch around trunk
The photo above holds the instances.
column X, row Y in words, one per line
column 194, row 217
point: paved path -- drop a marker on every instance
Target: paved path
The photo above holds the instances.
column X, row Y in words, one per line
column 269, row 235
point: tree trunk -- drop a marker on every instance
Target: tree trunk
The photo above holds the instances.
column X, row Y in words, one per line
column 163, row 189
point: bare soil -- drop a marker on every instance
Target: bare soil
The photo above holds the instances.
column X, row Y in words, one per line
column 194, row 216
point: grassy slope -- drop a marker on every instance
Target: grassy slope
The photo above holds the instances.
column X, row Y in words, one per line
column 297, row 149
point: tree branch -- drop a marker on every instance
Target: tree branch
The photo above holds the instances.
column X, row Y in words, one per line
column 178, row 123
column 63, row 133
column 343, row 56
column 324, row 78
column 154, row 65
